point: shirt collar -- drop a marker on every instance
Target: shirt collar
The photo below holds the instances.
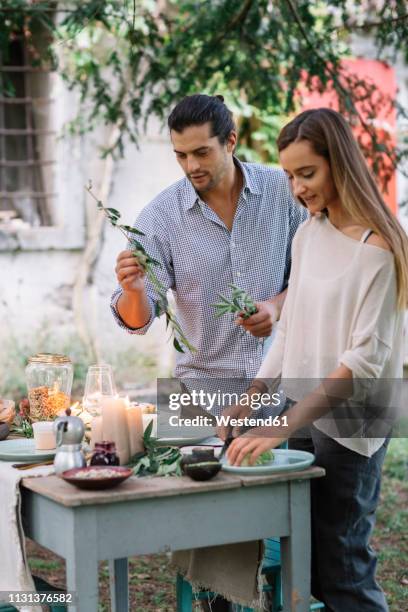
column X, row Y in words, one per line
column 249, row 184
column 192, row 197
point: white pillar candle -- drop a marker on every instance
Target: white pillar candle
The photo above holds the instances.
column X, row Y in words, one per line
column 135, row 425
column 96, row 431
column 44, row 435
column 115, row 426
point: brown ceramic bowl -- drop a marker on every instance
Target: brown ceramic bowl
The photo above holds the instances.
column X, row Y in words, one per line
column 99, row 482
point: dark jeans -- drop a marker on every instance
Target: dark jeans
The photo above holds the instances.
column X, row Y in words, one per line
column 343, row 516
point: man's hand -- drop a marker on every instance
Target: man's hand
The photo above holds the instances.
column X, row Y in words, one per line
column 247, row 443
column 129, row 273
column 235, row 412
column 260, row 324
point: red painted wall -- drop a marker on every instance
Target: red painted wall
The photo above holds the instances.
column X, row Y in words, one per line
column 383, row 77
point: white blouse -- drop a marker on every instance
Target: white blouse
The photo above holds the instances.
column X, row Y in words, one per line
column 341, row 308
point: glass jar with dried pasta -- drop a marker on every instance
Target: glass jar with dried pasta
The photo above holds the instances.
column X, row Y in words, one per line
column 49, row 382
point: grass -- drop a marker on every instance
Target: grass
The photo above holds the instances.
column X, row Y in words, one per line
column 152, row 580
column 391, row 533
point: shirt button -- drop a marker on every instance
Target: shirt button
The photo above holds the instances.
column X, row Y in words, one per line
column 251, row 361
column 238, row 274
column 233, row 245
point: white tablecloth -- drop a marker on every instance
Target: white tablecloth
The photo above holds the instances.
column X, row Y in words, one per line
column 15, row 574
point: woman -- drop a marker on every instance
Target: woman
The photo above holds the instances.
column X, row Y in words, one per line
column 342, row 324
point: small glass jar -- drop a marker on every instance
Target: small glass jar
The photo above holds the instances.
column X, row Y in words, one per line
column 104, row 454
column 49, row 383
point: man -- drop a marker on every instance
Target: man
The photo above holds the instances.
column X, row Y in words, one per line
column 226, row 222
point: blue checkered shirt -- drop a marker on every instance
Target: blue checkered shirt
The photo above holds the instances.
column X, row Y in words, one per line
column 200, row 257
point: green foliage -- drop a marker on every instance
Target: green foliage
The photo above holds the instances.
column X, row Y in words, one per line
column 129, row 60
column 157, row 460
column 258, row 128
column 41, row 564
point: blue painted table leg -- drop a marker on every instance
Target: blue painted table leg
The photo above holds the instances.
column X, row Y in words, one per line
column 184, row 594
column 81, row 559
column 119, row 585
column 82, row 580
column 295, row 551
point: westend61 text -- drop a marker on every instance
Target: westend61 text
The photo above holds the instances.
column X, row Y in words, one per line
column 228, row 421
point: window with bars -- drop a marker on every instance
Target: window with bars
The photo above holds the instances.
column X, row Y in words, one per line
column 27, row 140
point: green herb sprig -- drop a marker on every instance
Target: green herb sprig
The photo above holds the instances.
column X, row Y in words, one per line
column 148, row 263
column 240, row 303
column 24, row 428
column 156, row 460
column 265, row 457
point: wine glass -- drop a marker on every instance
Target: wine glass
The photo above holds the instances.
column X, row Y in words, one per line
column 99, row 384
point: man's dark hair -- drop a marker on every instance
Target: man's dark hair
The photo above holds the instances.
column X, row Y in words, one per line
column 199, row 109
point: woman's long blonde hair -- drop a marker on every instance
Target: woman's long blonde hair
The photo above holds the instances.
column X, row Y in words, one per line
column 332, row 138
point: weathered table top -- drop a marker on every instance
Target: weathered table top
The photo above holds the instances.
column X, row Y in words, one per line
column 60, row 491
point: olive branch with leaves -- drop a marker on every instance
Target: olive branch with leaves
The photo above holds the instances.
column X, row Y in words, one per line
column 240, row 303
column 148, row 264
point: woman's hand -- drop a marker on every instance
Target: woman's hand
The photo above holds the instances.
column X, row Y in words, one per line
column 248, row 443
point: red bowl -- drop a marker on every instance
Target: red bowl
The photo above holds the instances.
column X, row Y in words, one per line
column 97, row 483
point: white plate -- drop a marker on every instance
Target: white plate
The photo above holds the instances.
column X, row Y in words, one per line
column 285, row 460
column 23, row 450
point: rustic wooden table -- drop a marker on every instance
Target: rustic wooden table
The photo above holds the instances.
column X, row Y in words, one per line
column 151, row 515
